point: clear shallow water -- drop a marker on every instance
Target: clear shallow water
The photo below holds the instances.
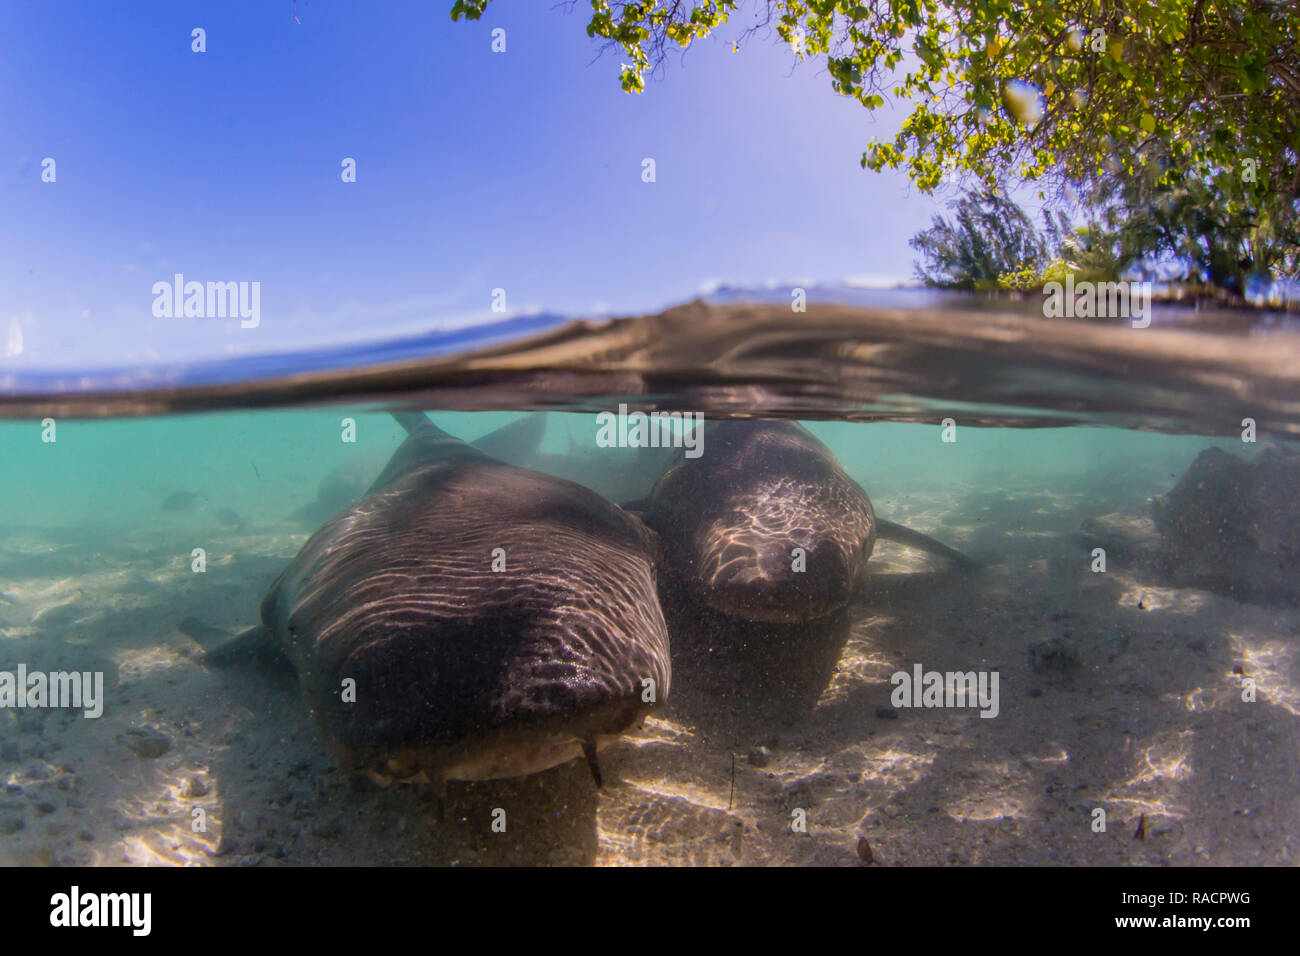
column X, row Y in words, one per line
column 1120, row 690
column 265, row 464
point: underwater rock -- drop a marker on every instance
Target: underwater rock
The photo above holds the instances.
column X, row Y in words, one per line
column 1232, row 525
column 180, row 501
column 1127, row 538
column 864, row 851
column 1055, row 654
column 230, row 519
column 146, row 742
column 329, row 828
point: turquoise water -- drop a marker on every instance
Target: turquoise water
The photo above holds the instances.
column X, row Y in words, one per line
column 1120, row 689
column 263, row 465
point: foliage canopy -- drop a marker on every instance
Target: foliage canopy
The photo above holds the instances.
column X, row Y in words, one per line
column 1065, row 91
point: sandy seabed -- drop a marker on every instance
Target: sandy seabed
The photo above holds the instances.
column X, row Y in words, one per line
column 1115, row 693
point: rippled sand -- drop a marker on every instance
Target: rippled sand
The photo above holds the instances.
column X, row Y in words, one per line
column 1136, row 709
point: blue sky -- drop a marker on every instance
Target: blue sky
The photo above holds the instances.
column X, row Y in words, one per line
column 475, row 171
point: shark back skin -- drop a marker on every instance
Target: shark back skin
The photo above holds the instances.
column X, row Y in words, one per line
column 767, row 526
column 468, row 619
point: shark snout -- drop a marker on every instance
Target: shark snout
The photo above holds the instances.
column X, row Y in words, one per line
column 780, row 579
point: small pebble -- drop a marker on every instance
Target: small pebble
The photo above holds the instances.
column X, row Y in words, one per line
column 885, row 712
column 864, row 851
column 759, row 757
column 328, row 829
column 147, row 743
column 1056, row 654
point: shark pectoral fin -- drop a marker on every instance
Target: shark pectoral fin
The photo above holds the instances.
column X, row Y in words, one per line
column 914, row 539
column 593, row 762
column 204, row 633
column 640, row 507
column 255, row 647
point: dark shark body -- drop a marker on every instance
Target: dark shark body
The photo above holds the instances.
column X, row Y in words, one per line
column 732, row 519
column 460, row 671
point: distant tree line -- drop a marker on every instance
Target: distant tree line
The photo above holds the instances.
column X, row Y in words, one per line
column 989, row 243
